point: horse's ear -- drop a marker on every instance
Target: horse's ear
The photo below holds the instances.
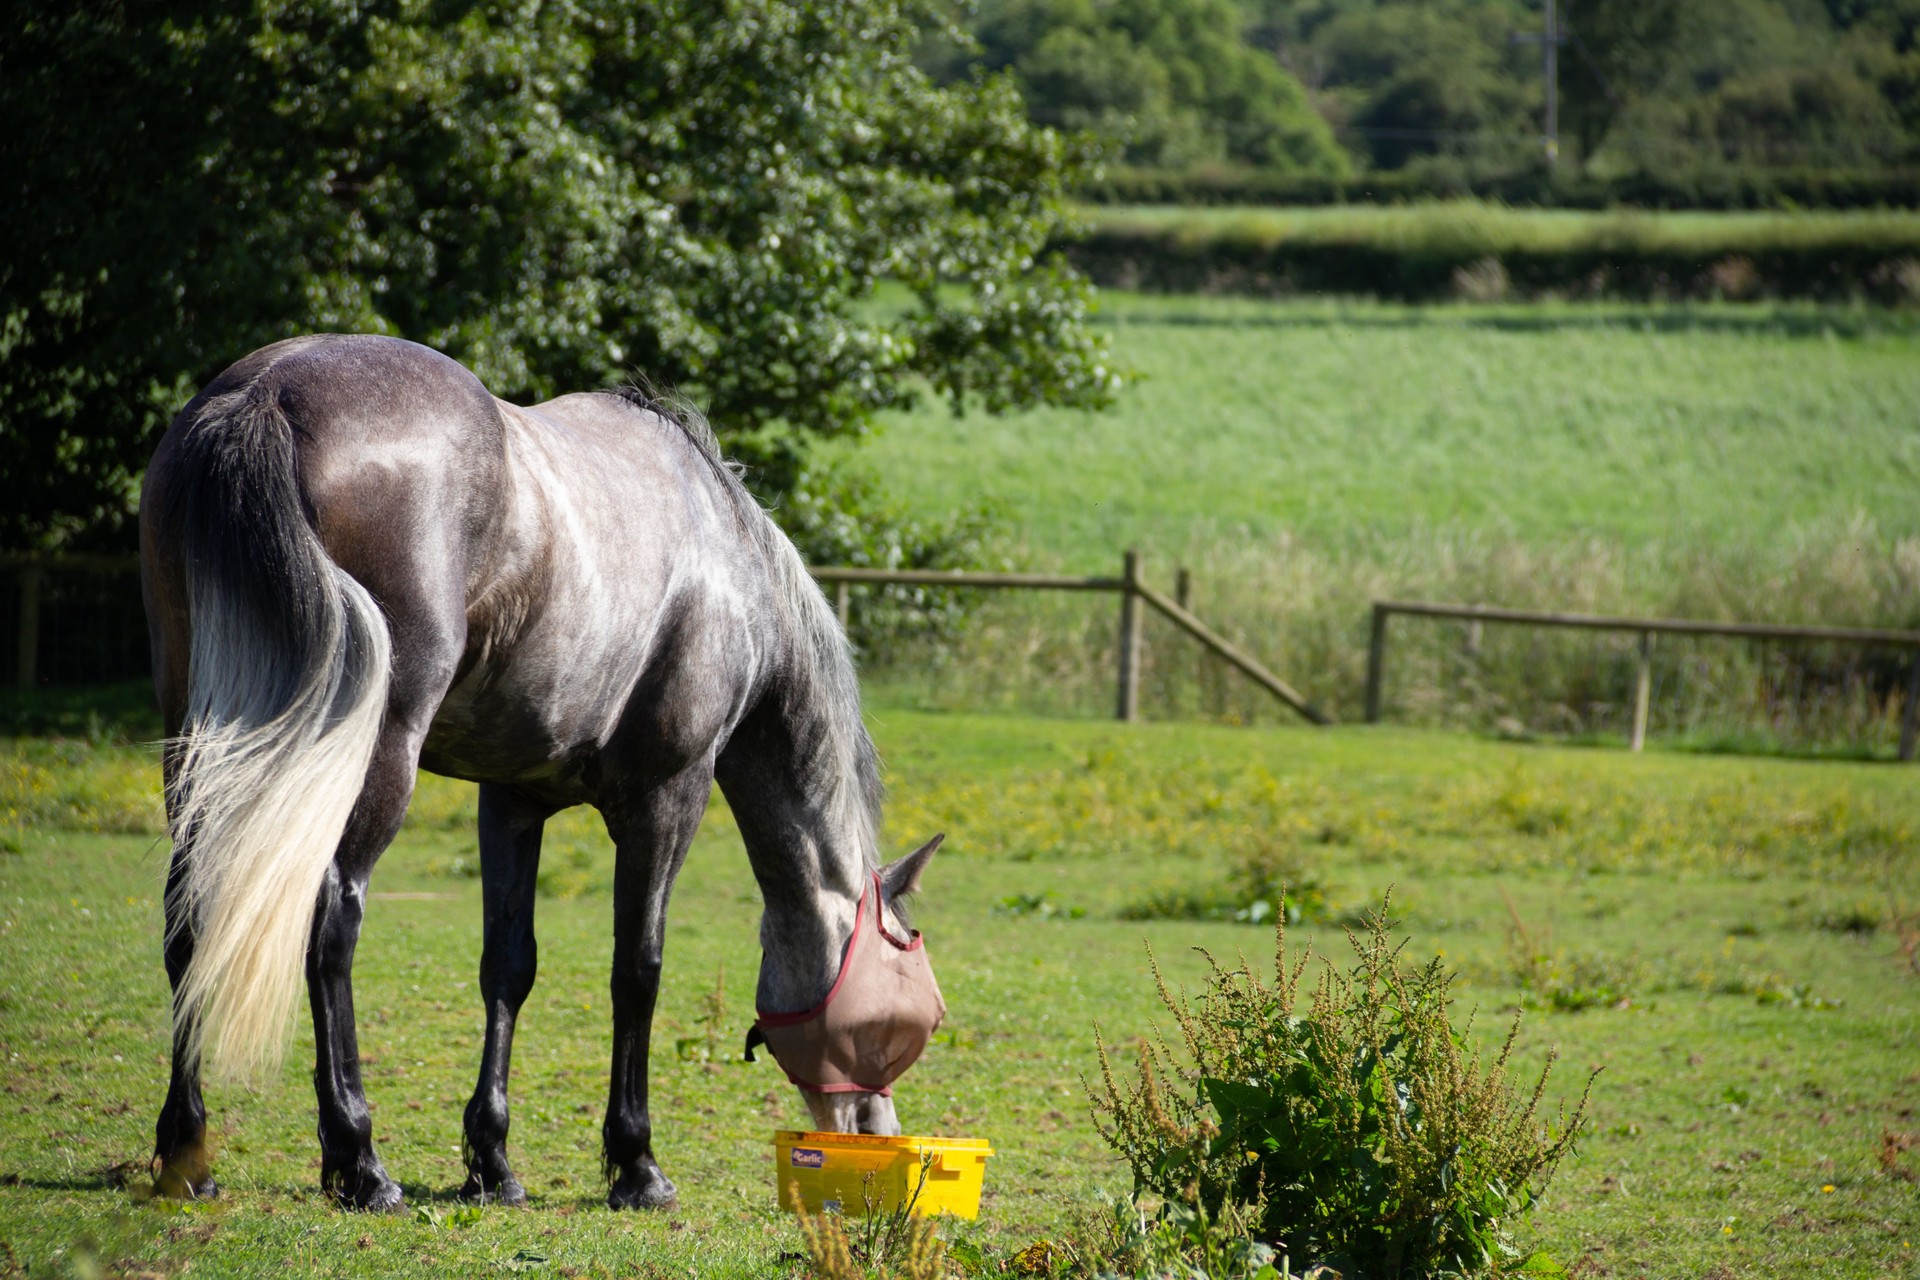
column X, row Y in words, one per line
column 903, row 877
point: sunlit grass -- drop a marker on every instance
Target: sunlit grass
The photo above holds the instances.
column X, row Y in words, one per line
column 1759, row 1046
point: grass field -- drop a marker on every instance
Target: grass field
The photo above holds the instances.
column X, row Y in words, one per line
column 1353, row 424
column 1303, row 459
column 1727, row 923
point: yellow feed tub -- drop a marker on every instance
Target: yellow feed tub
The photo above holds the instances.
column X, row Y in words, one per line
column 861, row 1173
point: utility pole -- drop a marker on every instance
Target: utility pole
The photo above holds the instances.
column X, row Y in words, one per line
column 1550, row 39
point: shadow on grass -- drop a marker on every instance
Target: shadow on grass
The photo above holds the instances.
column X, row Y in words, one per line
column 1725, row 742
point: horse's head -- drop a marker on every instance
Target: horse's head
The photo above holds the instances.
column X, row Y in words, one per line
column 845, row 1053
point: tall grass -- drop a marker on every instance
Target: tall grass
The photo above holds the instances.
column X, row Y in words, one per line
column 1304, row 608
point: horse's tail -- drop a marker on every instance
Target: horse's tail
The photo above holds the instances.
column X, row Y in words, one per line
column 287, row 685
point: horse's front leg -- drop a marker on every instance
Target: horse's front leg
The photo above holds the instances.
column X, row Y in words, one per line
column 350, row 1170
column 510, row 829
column 651, row 833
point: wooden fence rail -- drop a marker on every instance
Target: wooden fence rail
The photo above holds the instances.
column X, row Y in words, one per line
column 30, row 577
column 1133, row 591
column 1646, row 628
column 30, row 574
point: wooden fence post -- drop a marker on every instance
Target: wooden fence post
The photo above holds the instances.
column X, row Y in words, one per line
column 1376, row 662
column 1129, row 701
column 1910, row 714
column 1642, row 692
column 1183, row 596
column 843, row 602
column 26, row 653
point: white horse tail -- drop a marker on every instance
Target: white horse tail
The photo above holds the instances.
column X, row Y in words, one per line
column 287, row 681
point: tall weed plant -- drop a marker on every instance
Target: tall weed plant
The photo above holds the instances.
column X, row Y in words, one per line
column 1305, row 609
column 1362, row 1126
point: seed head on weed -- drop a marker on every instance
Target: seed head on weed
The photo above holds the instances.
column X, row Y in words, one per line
column 1364, row 1127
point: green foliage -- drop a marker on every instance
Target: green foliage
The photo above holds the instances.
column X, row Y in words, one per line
column 893, row 1244
column 1171, row 81
column 1744, row 187
column 1552, row 979
column 1265, row 879
column 1421, row 253
column 556, row 194
column 837, row 515
column 1664, row 89
column 1364, row 1126
column 1425, row 80
column 1131, row 1236
column 1039, row 906
column 1670, row 87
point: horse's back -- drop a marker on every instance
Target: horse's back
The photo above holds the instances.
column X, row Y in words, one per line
column 535, row 565
column 629, row 602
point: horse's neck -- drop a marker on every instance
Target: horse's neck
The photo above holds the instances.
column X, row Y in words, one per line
column 802, row 938
column 810, row 840
column 808, row 785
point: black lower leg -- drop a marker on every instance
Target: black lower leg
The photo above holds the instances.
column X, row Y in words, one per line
column 627, row 1136
column 650, row 835
column 350, row 1171
column 509, row 867
column 182, row 1166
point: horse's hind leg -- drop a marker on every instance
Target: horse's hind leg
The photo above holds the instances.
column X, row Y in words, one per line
column 510, row 830
column 350, row 1170
column 651, row 833
column 181, row 1165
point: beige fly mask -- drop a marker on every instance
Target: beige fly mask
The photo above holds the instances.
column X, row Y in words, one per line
column 875, row 1020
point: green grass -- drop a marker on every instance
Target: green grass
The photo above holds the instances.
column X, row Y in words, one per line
column 1304, row 459
column 1768, row 1041
column 1734, row 428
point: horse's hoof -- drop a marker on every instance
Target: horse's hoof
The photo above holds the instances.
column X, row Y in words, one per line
column 504, row 1191
column 368, row 1192
column 175, row 1183
column 643, row 1188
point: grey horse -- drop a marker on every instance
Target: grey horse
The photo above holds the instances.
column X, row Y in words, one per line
column 357, row 562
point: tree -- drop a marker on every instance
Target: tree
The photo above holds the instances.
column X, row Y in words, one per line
column 1171, row 81
column 1626, row 50
column 1742, row 82
column 1421, row 81
column 557, row 192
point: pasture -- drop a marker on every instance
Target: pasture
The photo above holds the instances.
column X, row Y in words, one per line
column 1362, row 426
column 1304, row 458
column 1719, row 935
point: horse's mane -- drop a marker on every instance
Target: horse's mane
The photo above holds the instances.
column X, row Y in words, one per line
column 821, row 694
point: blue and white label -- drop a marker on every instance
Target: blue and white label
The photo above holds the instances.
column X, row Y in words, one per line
column 808, row 1158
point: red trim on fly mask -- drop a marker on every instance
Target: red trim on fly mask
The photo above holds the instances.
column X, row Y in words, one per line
column 914, row 942
column 846, row 962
